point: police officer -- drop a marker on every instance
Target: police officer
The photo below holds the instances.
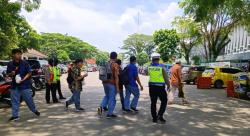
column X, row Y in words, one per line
column 158, row 80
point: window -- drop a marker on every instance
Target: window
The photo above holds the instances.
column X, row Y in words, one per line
column 209, row 71
column 199, row 68
column 34, row 64
column 230, row 70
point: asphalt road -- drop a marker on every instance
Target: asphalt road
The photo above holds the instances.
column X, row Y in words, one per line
column 210, row 113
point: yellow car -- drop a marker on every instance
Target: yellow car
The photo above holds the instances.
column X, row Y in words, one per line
column 220, row 75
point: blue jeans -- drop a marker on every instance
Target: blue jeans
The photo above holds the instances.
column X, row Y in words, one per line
column 109, row 98
column 75, row 98
column 136, row 92
column 16, row 94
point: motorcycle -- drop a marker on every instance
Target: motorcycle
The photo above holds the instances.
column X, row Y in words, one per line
column 5, row 86
column 5, row 93
column 38, row 82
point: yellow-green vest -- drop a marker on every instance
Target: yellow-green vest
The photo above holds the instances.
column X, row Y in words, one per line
column 56, row 73
column 156, row 74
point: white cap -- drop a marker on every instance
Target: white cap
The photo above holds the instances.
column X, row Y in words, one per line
column 155, row 56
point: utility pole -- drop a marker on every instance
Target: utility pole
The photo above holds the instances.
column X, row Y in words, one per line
column 138, row 22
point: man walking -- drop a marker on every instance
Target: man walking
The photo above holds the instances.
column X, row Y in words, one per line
column 111, row 86
column 20, row 72
column 76, row 85
column 132, row 87
column 158, row 80
column 176, row 83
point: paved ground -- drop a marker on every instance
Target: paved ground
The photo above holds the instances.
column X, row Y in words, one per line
column 210, row 113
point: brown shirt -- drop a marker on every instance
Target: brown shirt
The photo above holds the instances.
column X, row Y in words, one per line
column 175, row 75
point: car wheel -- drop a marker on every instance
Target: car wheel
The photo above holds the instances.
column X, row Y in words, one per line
column 218, row 84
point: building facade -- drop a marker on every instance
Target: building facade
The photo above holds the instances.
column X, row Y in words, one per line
column 238, row 50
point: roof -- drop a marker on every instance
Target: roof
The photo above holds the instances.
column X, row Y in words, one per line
column 34, row 53
column 90, row 61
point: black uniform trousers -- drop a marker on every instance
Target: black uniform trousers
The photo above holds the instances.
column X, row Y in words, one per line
column 156, row 92
column 58, row 83
column 51, row 89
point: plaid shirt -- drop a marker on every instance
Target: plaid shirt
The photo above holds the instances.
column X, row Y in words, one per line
column 76, row 84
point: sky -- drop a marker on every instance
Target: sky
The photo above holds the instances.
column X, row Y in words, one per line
column 103, row 23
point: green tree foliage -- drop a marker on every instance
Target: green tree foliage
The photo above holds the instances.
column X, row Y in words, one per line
column 167, row 42
column 217, row 18
column 139, row 44
column 52, row 44
column 14, row 30
column 196, row 60
column 188, row 32
column 30, row 5
column 142, row 58
column 101, row 57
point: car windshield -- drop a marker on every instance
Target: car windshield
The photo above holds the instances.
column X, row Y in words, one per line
column 34, row 64
column 4, row 63
column 185, row 69
column 43, row 62
column 209, row 70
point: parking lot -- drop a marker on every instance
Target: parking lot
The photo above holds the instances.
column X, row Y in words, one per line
column 209, row 113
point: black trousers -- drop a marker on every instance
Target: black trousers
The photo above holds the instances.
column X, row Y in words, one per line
column 156, row 92
column 51, row 88
column 122, row 98
column 58, row 87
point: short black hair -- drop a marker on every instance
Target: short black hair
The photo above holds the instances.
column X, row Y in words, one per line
column 53, row 61
column 132, row 59
column 15, row 51
column 78, row 61
column 113, row 55
column 119, row 62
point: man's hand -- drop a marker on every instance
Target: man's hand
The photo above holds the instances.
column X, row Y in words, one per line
column 141, row 88
column 13, row 73
column 85, row 75
column 117, row 88
column 168, row 87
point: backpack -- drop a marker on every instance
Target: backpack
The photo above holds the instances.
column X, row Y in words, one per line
column 70, row 78
column 124, row 76
column 105, row 71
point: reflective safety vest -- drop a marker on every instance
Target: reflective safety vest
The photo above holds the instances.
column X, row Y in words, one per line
column 56, row 73
column 156, row 74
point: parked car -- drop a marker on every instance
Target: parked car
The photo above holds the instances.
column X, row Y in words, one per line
column 37, row 75
column 192, row 73
column 91, row 68
column 4, row 63
column 63, row 68
column 221, row 75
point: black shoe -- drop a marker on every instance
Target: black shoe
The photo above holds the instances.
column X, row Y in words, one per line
column 62, row 98
column 162, row 120
column 134, row 109
column 66, row 105
column 80, row 109
column 13, row 119
column 56, row 102
column 37, row 113
column 48, row 102
column 127, row 111
column 111, row 116
column 155, row 121
column 105, row 109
